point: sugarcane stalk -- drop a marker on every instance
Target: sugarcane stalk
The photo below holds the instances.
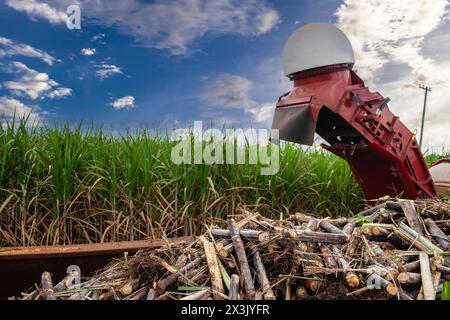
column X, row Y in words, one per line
column 411, row 240
column 67, row 282
column 262, row 275
column 129, row 287
column 349, row 227
column 287, row 295
column 242, row 259
column 443, row 269
column 47, row 286
column 95, row 295
column 436, row 274
column 411, row 216
column 246, row 234
column 377, row 229
column 315, row 237
column 221, row 248
column 411, row 266
column 392, row 205
column 421, row 242
column 300, row 217
column 234, row 287
column 437, row 234
column 427, row 280
column 409, row 278
column 214, row 269
column 312, row 225
column 164, row 283
column 151, row 295
column 339, row 222
column 139, row 294
column 324, row 224
column 372, row 210
column 351, row 278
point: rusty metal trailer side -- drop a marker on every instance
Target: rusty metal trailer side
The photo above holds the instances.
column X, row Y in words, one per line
column 22, row 266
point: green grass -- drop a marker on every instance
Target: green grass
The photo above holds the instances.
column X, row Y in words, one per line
column 63, row 185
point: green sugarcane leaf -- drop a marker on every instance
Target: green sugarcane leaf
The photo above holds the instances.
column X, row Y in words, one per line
column 446, row 291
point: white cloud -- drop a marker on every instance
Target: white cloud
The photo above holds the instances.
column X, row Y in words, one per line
column 230, row 91
column 263, row 113
column 60, row 93
column 98, row 37
column 396, row 50
column 32, row 84
column 88, row 51
column 126, row 102
column 107, row 70
column 266, row 21
column 35, row 9
column 391, row 31
column 233, row 91
column 9, row 47
column 10, row 107
column 171, row 24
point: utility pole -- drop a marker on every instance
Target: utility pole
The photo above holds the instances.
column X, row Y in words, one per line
column 423, row 112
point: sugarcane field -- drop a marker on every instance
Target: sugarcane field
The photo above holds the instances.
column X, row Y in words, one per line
column 219, row 158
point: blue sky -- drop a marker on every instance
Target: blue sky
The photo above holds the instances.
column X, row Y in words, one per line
column 156, row 64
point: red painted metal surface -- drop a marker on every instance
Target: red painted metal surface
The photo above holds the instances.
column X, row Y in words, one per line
column 382, row 152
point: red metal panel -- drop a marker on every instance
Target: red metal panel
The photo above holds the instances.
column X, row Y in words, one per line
column 382, row 152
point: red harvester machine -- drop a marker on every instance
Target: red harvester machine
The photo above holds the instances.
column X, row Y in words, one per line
column 330, row 99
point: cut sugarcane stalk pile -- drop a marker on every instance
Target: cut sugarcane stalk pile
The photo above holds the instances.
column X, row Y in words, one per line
column 393, row 250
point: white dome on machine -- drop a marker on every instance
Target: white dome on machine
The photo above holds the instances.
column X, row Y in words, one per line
column 316, row 45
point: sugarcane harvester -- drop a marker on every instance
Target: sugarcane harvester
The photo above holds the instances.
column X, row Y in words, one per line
column 330, row 99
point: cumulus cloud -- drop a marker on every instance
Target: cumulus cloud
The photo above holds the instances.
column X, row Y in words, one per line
column 9, row 47
column 233, row 91
column 10, row 108
column 32, row 84
column 107, row 70
column 126, row 102
column 35, row 9
column 169, row 24
column 88, row 51
column 391, row 31
column 396, row 49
